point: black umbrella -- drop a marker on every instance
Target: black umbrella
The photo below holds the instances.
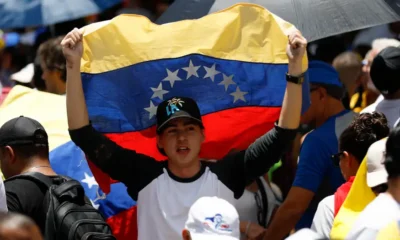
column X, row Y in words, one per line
column 316, row 19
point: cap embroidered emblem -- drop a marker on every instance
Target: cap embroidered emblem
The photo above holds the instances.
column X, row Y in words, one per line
column 218, row 222
column 172, row 106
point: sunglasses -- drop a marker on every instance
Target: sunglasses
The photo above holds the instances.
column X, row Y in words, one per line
column 336, row 158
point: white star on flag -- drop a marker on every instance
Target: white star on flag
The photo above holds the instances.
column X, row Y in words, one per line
column 211, row 72
column 227, row 81
column 95, row 205
column 152, row 110
column 238, row 95
column 90, row 181
column 191, row 70
column 159, row 92
column 172, row 77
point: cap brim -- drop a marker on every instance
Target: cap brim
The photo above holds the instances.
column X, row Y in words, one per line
column 376, row 178
column 199, row 236
column 180, row 114
column 25, row 75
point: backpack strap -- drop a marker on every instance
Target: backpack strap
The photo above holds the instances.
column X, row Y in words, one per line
column 34, row 176
column 64, row 189
column 264, row 200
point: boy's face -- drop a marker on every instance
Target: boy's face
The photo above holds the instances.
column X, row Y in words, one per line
column 181, row 141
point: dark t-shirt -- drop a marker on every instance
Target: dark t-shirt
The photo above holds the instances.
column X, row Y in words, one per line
column 26, row 197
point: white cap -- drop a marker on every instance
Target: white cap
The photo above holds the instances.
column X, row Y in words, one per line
column 376, row 172
column 213, row 218
column 305, row 234
column 25, row 75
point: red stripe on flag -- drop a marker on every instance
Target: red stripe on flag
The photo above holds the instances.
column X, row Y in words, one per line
column 225, row 130
column 124, row 224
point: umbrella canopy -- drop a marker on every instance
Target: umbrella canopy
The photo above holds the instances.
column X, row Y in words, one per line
column 316, row 19
column 24, row 13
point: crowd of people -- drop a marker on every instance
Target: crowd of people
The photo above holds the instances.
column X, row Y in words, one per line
column 353, row 122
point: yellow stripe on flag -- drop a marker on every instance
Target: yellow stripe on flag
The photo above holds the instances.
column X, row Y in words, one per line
column 49, row 109
column 359, row 197
column 135, row 39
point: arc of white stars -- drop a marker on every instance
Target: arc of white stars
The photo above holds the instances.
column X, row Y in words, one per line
column 191, row 70
column 227, row 81
column 238, row 95
column 159, row 92
column 211, row 72
column 152, row 110
column 172, row 77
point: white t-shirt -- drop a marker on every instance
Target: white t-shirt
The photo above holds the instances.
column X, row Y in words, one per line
column 305, row 234
column 247, row 207
column 324, row 216
column 391, row 109
column 378, row 214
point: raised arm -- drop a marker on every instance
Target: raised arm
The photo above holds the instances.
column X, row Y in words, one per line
column 121, row 164
column 76, row 106
column 268, row 149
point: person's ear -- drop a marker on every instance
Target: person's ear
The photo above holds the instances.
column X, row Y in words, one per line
column 322, row 93
column 346, row 158
column 8, row 153
column 203, row 134
column 186, row 235
column 159, row 143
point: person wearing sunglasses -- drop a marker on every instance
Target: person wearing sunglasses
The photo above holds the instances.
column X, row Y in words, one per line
column 385, row 208
column 354, row 142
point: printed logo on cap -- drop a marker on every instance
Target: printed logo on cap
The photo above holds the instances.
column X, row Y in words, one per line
column 172, row 106
column 218, row 223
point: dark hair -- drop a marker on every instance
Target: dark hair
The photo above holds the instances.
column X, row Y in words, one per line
column 37, row 76
column 28, row 151
column 392, row 156
column 366, row 129
column 332, row 90
column 50, row 52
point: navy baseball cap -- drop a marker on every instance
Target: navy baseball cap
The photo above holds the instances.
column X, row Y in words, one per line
column 23, row 131
column 177, row 107
column 323, row 73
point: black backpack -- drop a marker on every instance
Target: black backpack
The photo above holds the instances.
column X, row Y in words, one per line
column 70, row 215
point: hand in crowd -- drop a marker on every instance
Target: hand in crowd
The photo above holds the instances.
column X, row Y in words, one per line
column 255, row 232
column 72, row 47
column 296, row 47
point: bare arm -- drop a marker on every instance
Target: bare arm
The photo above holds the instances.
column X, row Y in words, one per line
column 76, row 105
column 291, row 106
column 289, row 213
column 134, row 169
column 268, row 149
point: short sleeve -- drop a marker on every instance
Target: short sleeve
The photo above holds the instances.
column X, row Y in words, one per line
column 313, row 163
column 324, row 216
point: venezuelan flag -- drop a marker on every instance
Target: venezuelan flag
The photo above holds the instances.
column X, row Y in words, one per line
column 359, row 197
column 233, row 63
column 66, row 158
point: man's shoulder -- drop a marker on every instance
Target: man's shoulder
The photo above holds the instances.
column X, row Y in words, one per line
column 19, row 184
column 328, row 202
column 330, row 127
column 370, row 108
column 378, row 212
